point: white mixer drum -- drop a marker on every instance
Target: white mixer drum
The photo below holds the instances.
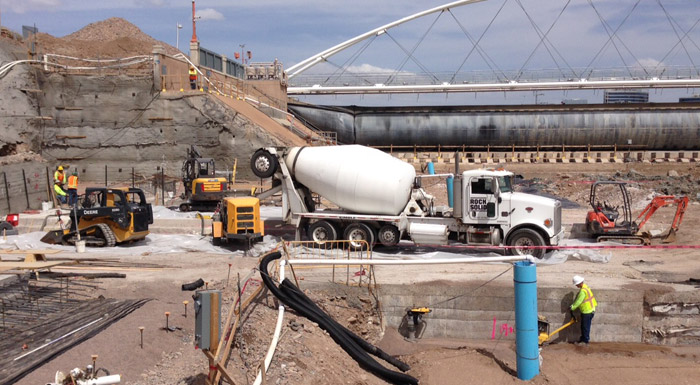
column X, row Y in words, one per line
column 356, row 178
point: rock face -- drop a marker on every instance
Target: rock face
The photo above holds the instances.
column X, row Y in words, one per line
column 124, row 122
column 18, row 105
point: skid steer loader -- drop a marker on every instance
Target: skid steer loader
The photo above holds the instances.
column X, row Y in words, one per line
column 105, row 217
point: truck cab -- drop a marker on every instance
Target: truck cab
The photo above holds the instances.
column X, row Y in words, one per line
column 490, row 211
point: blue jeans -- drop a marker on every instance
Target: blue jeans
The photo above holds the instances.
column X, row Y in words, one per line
column 72, row 196
column 586, row 320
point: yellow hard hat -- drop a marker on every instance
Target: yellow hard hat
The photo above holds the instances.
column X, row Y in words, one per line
column 60, row 168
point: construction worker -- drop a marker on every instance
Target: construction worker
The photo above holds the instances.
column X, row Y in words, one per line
column 193, row 78
column 59, row 176
column 60, row 193
column 586, row 303
column 73, row 189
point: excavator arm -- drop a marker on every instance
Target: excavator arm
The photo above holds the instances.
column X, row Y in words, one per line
column 661, row 201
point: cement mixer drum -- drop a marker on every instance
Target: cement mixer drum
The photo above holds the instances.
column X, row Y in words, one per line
column 357, row 178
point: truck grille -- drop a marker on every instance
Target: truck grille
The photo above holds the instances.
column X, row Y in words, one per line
column 557, row 217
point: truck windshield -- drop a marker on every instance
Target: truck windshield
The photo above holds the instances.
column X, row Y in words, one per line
column 505, row 184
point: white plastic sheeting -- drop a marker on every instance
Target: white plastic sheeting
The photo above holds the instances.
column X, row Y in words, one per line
column 154, row 244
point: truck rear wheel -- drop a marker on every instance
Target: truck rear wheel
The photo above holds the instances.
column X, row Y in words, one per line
column 263, row 164
column 322, row 231
column 358, row 232
column 389, row 235
column 526, row 237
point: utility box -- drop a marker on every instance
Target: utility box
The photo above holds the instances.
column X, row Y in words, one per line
column 207, row 324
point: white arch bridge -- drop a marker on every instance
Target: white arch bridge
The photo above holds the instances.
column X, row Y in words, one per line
column 584, row 44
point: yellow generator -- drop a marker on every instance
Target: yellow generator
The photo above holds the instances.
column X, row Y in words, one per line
column 238, row 219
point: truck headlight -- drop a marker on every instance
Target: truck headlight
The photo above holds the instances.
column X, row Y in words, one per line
column 548, row 222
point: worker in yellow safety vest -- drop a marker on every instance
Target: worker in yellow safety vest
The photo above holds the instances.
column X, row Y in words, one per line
column 193, row 78
column 60, row 194
column 586, row 302
column 73, row 189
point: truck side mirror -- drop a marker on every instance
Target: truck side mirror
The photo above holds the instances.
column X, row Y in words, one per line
column 493, row 187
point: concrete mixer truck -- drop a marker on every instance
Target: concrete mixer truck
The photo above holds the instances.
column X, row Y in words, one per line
column 380, row 201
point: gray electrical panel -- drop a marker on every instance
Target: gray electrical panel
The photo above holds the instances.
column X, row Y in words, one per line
column 207, row 324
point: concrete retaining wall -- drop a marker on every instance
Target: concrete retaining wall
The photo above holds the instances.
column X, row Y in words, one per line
column 485, row 313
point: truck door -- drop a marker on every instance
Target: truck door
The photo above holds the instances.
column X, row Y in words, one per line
column 482, row 203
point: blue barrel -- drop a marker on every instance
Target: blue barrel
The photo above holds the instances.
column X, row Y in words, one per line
column 450, row 191
column 525, row 284
column 431, row 168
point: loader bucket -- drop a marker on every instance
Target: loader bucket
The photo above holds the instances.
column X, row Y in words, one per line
column 54, row 237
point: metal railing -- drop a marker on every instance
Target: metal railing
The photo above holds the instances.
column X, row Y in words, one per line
column 340, row 250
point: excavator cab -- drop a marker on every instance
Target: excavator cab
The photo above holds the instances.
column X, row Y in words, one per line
column 203, row 190
column 606, row 218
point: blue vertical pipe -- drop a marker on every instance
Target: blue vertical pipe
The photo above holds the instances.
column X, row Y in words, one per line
column 431, row 168
column 525, row 282
column 450, row 191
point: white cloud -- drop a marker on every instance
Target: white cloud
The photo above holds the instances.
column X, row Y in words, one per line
column 31, row 5
column 369, row 69
column 650, row 63
column 210, row 14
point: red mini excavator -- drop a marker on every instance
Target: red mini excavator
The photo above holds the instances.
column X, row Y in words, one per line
column 605, row 223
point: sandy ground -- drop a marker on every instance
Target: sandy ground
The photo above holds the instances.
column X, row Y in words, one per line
column 307, row 355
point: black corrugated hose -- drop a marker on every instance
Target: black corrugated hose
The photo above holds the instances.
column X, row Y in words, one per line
column 354, row 345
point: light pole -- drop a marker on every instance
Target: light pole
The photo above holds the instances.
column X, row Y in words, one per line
column 242, row 57
column 177, row 40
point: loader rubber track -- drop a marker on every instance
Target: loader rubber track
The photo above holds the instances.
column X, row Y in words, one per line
column 107, row 238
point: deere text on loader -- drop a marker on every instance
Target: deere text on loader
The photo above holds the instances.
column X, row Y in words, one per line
column 203, row 189
column 105, row 217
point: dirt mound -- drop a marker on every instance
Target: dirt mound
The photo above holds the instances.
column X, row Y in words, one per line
column 111, row 38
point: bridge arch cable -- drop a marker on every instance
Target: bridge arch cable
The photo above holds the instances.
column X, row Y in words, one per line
column 675, row 24
column 410, row 56
column 543, row 41
column 343, row 68
column 611, row 38
column 477, row 47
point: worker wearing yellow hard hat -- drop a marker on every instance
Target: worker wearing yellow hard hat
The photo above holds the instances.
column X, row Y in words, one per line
column 586, row 303
column 58, row 180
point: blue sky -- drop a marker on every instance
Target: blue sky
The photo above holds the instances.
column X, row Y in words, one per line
column 292, row 30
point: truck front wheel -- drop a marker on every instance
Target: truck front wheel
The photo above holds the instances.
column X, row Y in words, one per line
column 526, row 238
column 322, row 231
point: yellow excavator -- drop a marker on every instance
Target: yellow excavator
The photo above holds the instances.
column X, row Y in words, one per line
column 203, row 189
column 105, row 217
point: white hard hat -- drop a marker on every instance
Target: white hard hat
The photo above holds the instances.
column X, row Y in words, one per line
column 577, row 279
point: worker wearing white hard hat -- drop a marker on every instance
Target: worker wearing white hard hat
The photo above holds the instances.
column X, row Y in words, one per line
column 586, row 303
